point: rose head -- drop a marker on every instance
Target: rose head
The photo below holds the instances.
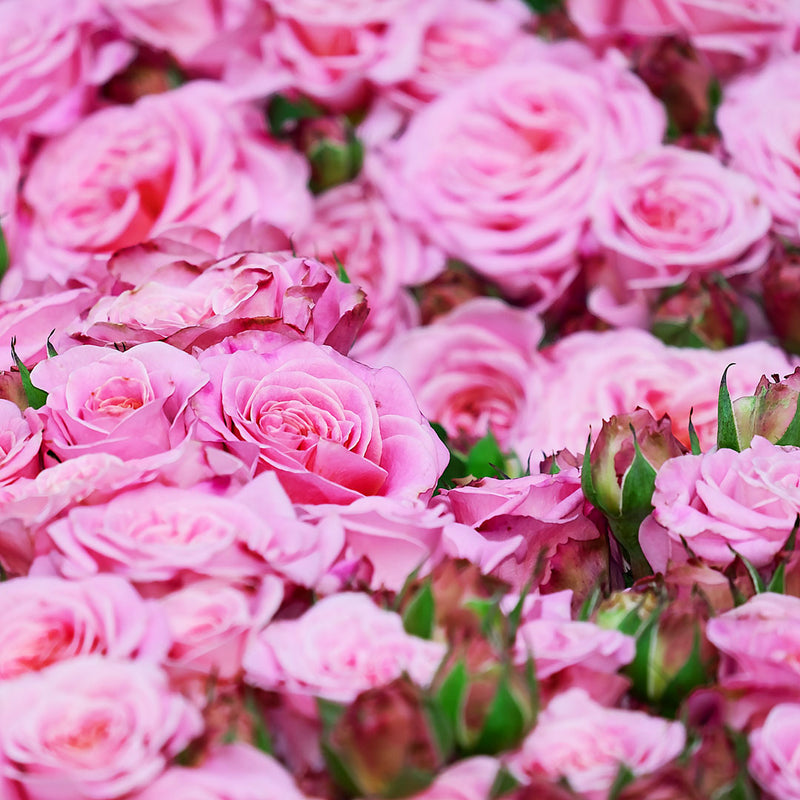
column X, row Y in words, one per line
column 332, row 429
column 20, row 441
column 774, row 750
column 770, row 412
column 781, row 285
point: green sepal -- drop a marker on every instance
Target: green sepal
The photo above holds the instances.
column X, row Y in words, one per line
column 339, row 772
column 678, row 334
column 727, row 435
column 791, row 435
column 51, row 351
column 418, row 618
column 409, row 782
column 691, row 675
column 457, row 466
column 485, row 459
column 504, row 782
column 341, row 272
column 544, row 6
column 35, row 396
column 694, row 440
column 639, row 483
column 505, row 722
column 777, row 583
column 589, row 604
column 4, row 255
column 623, row 778
column 451, row 697
column 758, row 581
column 282, row 112
column 329, row 712
column 261, row 737
column 587, row 485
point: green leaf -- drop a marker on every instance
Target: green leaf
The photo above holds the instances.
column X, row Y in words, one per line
column 329, row 712
column 587, row 485
column 624, row 777
column 51, row 351
column 758, row 581
column 505, row 722
column 694, row 441
column 419, row 615
column 504, row 782
column 544, row 6
column 727, row 435
column 261, row 738
column 282, row 113
column 36, row 397
column 341, row 272
column 678, row 334
column 638, row 483
column 485, row 459
column 451, row 697
column 339, row 772
column 589, row 604
column 4, row 255
column 456, row 467
column 791, row 435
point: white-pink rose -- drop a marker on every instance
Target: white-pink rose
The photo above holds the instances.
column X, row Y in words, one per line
column 340, row 647
column 91, row 727
column 586, row 744
column 722, row 503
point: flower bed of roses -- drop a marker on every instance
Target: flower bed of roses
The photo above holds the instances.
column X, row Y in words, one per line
column 399, row 398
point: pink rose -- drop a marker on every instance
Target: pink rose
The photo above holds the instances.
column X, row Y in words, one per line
column 521, row 522
column 47, row 620
column 193, row 304
column 53, row 57
column 723, row 502
column 499, row 171
column 775, row 753
column 667, row 215
column 90, row 727
column 468, row 779
column 332, row 429
column 211, row 622
column 129, row 404
column 233, row 772
column 760, row 131
column 586, row 744
column 20, row 441
column 470, row 370
column 341, row 646
column 188, row 156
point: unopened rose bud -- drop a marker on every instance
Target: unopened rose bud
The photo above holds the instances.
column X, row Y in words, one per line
column 670, row 783
column 150, row 73
column 781, row 284
column 619, row 473
column 772, row 412
column 454, row 286
column 11, row 389
column 332, row 150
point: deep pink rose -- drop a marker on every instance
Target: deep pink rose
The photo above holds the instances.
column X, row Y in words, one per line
column 331, row 428
column 53, row 57
column 192, row 304
column 20, row 441
column 233, row 772
column 129, row 404
column 127, row 173
column 520, row 521
column 47, row 620
column 470, row 370
column 586, row 744
column 340, row 647
column 775, row 753
column 211, row 621
column 667, row 215
column 760, row 130
column 92, row 727
column 723, row 502
column 499, row 171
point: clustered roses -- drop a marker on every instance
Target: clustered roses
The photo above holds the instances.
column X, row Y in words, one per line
column 399, row 398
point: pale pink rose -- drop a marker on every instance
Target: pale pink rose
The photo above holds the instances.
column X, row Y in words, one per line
column 521, row 523
column 586, row 744
column 732, row 33
column 10, row 174
column 50, row 619
column 341, row 646
column 669, row 214
column 189, row 156
column 211, row 621
column 468, row 779
column 775, row 753
column 721, row 503
column 760, row 644
column 471, row 369
column 194, row 305
column 92, row 728
column 233, row 772
column 20, row 441
column 332, row 429
column 613, row 372
column 760, row 129
column 129, row 404
column 53, row 57
column 499, row 171
column 465, row 38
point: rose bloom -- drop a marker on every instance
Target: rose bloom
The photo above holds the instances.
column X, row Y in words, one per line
column 91, row 727
column 775, row 752
column 721, row 503
column 48, row 619
column 468, row 779
column 53, row 58
column 20, row 440
column 470, row 369
column 233, row 772
column 499, row 171
column 331, row 428
column 669, row 214
column 760, row 129
column 341, row 646
column 189, row 156
column 732, row 33
column 586, row 744
column 129, row 404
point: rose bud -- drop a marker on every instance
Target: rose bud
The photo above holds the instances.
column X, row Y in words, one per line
column 772, row 412
column 452, row 288
column 669, row 783
column 781, row 284
column 386, row 742
column 701, row 313
column 618, row 475
column 332, row 150
column 11, row 388
column 150, row 73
